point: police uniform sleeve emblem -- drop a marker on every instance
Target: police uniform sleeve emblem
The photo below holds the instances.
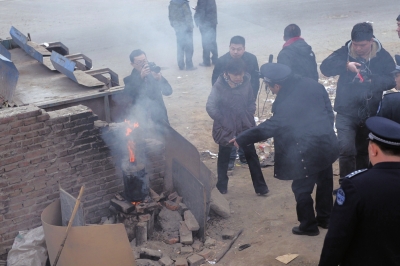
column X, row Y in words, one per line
column 356, row 173
column 340, row 196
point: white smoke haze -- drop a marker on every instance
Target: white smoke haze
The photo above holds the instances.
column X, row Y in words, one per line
column 107, row 31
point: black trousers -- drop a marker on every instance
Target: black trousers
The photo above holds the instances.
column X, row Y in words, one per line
column 303, row 188
column 184, row 40
column 209, row 42
column 254, row 166
column 353, row 144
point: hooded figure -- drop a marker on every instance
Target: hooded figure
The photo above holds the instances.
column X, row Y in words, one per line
column 297, row 54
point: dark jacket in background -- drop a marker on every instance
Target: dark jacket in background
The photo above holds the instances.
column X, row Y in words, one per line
column 302, row 128
column 232, row 109
column 251, row 67
column 206, row 13
column 146, row 95
column 180, row 15
column 364, row 229
column 390, row 106
column 351, row 97
column 300, row 58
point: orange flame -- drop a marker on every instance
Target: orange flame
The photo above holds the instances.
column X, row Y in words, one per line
column 131, row 144
column 131, row 148
column 135, row 202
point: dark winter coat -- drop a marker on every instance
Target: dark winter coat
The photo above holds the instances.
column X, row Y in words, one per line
column 359, row 99
column 180, row 16
column 302, row 128
column 390, row 106
column 146, row 95
column 232, row 109
column 251, row 67
column 300, row 58
column 206, row 13
column 364, row 225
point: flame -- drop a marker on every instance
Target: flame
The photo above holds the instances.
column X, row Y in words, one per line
column 135, row 202
column 131, row 145
column 131, row 148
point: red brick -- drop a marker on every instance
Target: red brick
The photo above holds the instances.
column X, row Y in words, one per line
column 5, row 140
column 43, row 117
column 36, row 153
column 45, row 131
column 31, row 134
column 29, row 114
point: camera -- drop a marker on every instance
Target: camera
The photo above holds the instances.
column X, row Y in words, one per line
column 153, row 67
column 364, row 74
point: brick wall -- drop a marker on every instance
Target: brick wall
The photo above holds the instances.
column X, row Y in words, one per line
column 41, row 150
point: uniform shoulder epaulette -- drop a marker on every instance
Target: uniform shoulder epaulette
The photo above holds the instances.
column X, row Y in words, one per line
column 356, row 173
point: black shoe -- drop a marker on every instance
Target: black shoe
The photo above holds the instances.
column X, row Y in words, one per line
column 323, row 225
column 223, row 191
column 205, row 65
column 334, row 192
column 243, row 160
column 231, row 164
column 296, row 230
column 263, row 193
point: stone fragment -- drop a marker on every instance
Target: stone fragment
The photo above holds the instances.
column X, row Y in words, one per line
column 173, row 206
column 186, row 250
column 169, row 220
column 191, row 221
column 181, row 262
column 145, row 262
column 219, row 204
column 178, row 199
column 195, row 260
column 173, row 196
column 151, row 254
column 197, row 245
column 141, row 233
column 206, row 253
column 182, row 208
column 209, row 242
column 171, row 238
column 185, row 235
column 166, row 261
column 228, row 234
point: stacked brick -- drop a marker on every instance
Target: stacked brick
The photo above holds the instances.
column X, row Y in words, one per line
column 40, row 151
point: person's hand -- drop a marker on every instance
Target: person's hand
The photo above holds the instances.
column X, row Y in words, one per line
column 145, row 71
column 157, row 76
column 353, row 66
column 234, row 142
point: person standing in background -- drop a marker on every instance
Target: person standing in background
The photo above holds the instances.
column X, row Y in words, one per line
column 206, row 19
column 180, row 18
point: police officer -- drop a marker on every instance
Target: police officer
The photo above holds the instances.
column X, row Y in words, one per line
column 390, row 104
column 364, row 227
column 305, row 143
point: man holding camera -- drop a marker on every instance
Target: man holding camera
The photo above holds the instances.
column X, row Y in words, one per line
column 145, row 87
column 364, row 68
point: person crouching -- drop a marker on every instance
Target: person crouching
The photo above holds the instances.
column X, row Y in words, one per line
column 231, row 105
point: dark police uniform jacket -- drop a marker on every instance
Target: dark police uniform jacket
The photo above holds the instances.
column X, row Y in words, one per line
column 390, row 107
column 364, row 227
column 302, row 128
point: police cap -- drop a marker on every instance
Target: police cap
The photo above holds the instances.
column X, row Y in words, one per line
column 397, row 59
column 383, row 130
column 275, row 72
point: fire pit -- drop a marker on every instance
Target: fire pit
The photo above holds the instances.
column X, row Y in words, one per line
column 136, row 185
